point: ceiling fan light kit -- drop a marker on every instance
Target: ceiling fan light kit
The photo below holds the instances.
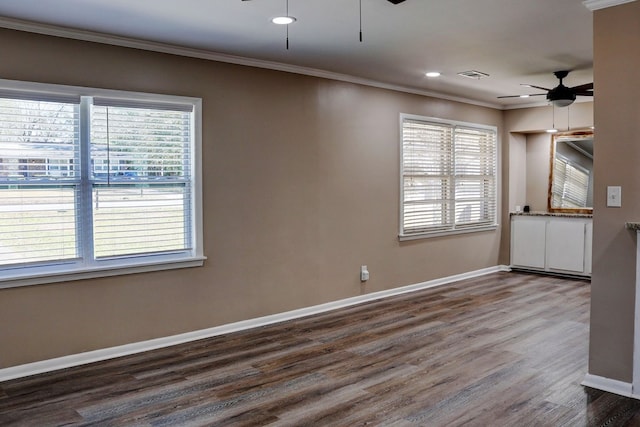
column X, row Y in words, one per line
column 562, row 102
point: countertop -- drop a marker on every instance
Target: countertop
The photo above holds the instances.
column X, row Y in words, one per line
column 560, row 214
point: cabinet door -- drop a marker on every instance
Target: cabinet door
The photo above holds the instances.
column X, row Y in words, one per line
column 566, row 245
column 528, row 242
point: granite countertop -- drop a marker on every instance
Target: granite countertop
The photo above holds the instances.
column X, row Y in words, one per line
column 556, row 214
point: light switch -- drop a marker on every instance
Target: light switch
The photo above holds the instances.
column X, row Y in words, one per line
column 614, row 196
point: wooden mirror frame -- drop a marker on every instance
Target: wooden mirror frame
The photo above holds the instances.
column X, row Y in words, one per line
column 581, row 134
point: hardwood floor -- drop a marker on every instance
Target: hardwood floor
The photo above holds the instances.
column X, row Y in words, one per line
column 506, row 349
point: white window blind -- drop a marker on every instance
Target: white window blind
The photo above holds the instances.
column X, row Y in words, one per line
column 448, row 177
column 94, row 186
column 475, row 177
column 39, row 157
column 570, row 184
column 140, row 175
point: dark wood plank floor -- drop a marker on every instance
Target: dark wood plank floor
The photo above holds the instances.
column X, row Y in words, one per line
column 506, row 349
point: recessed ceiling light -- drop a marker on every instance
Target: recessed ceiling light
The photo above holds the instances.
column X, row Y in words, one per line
column 433, row 74
column 283, row 20
column 552, row 130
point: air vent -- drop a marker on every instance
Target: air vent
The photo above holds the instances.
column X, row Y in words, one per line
column 473, row 74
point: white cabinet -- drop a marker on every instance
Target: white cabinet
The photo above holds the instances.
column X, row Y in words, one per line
column 565, row 245
column 551, row 243
column 528, row 242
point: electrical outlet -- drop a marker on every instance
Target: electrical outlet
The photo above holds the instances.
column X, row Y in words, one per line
column 364, row 273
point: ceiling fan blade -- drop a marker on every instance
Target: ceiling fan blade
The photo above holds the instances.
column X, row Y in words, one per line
column 587, row 86
column 584, row 93
column 535, row 87
column 520, row 96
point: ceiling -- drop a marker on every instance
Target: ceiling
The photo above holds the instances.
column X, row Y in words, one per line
column 513, row 41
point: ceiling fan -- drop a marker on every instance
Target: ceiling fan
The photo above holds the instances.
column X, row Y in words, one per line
column 561, row 95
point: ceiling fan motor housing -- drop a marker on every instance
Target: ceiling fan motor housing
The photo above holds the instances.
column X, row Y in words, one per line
column 561, row 93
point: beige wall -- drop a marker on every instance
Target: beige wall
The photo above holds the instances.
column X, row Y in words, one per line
column 517, row 164
column 538, row 152
column 529, row 170
column 301, row 187
column 617, row 153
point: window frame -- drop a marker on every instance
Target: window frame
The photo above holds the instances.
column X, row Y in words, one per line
column 15, row 276
column 447, row 230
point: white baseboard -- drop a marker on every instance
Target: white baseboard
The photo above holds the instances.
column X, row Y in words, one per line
column 139, row 347
column 607, row 384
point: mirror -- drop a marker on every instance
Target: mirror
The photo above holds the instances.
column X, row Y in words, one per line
column 571, row 173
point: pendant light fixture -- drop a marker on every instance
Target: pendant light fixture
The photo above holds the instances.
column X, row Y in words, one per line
column 285, row 20
column 360, row 20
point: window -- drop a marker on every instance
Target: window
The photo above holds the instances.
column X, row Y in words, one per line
column 96, row 185
column 449, row 179
column 570, row 183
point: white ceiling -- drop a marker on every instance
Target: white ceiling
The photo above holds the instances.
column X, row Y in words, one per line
column 514, row 41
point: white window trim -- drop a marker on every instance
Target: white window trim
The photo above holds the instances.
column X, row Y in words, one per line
column 63, row 272
column 440, row 233
column 426, row 235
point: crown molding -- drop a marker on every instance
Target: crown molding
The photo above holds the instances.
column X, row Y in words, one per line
column 602, row 4
column 95, row 37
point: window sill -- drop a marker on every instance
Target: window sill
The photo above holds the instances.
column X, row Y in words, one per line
column 18, row 279
column 444, row 233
